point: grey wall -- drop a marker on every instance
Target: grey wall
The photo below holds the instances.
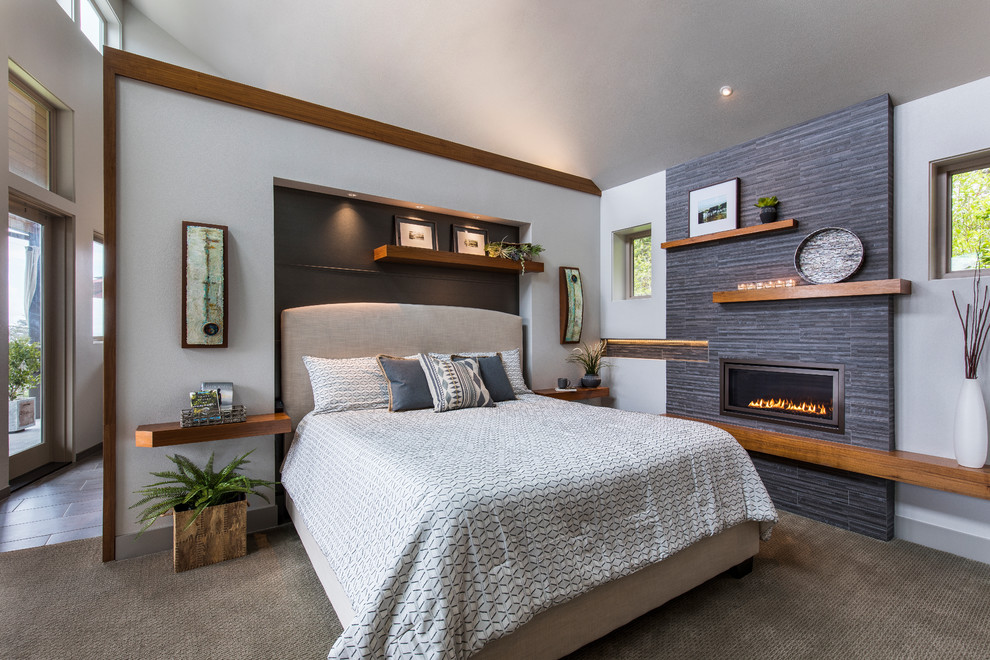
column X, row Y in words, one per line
column 831, row 171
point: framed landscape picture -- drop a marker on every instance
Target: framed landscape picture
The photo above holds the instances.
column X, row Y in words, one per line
column 469, row 240
column 714, row 209
column 412, row 232
column 204, row 285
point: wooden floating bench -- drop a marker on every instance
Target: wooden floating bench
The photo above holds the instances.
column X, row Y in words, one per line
column 903, row 466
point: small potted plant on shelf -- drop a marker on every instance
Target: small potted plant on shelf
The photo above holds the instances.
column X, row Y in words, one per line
column 592, row 358
column 516, row 251
column 23, row 373
column 768, row 208
column 210, row 509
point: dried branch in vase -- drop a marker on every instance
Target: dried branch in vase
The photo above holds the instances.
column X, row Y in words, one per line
column 975, row 325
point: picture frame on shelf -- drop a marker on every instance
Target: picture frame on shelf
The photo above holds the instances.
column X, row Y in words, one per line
column 468, row 240
column 714, row 208
column 204, row 285
column 413, row 232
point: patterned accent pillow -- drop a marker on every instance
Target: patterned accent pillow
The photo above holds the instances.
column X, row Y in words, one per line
column 341, row 384
column 455, row 385
column 494, row 376
column 510, row 360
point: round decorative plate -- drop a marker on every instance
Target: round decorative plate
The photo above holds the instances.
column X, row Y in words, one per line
column 828, row 255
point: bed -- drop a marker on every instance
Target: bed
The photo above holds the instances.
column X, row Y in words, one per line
column 527, row 529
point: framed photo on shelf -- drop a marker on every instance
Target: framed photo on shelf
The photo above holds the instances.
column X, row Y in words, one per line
column 204, row 285
column 714, row 209
column 469, row 240
column 412, row 232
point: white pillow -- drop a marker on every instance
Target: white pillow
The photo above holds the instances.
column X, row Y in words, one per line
column 455, row 385
column 510, row 360
column 341, row 384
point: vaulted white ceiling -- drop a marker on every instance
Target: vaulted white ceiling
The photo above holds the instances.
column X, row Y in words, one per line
column 612, row 90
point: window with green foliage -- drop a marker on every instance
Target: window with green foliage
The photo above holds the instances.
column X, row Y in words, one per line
column 961, row 214
column 641, row 265
column 969, row 211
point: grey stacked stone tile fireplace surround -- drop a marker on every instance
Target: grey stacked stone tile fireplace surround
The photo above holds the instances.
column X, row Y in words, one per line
column 834, row 171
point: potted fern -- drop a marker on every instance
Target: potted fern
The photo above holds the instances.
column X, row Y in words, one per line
column 592, row 358
column 210, row 509
column 23, row 373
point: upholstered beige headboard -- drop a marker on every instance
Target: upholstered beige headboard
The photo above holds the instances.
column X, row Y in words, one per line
column 361, row 329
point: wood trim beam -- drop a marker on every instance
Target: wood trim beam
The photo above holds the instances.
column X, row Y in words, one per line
column 136, row 67
column 903, row 466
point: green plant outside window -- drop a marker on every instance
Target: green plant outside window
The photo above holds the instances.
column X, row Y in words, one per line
column 642, row 264
column 969, row 219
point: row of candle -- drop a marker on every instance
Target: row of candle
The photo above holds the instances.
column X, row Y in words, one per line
column 769, row 284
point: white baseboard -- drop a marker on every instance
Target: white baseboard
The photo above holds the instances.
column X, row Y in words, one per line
column 950, row 540
column 156, row 540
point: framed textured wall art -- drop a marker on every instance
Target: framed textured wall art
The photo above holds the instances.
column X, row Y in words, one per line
column 571, row 305
column 204, row 285
column 714, row 209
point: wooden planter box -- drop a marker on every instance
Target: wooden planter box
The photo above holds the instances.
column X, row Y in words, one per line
column 219, row 534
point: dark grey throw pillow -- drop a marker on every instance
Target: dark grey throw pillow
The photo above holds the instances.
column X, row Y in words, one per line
column 494, row 376
column 407, row 386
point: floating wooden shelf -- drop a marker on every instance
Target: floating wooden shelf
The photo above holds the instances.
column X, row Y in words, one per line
column 903, row 466
column 172, row 433
column 411, row 255
column 780, row 225
column 839, row 290
column 578, row 393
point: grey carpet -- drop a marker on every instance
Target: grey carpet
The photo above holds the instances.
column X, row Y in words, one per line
column 816, row 592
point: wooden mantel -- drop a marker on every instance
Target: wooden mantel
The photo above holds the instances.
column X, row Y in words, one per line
column 903, row 466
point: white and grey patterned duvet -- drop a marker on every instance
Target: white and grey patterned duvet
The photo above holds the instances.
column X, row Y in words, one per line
column 449, row 530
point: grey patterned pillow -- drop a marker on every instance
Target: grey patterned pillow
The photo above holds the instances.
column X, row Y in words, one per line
column 510, row 360
column 455, row 385
column 341, row 384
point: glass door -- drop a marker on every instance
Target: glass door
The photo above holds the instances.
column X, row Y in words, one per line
column 27, row 291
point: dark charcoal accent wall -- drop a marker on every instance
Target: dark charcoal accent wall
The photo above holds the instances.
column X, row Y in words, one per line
column 832, row 171
column 323, row 254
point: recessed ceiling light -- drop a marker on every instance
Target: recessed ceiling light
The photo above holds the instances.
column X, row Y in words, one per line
column 419, row 206
column 725, row 90
column 352, row 194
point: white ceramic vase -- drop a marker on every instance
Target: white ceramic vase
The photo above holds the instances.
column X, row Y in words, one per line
column 970, row 435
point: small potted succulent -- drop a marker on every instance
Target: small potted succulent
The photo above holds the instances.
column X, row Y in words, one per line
column 24, row 372
column 768, row 208
column 592, row 358
column 210, row 509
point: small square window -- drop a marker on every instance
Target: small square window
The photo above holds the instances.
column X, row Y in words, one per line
column 961, row 214
column 632, row 263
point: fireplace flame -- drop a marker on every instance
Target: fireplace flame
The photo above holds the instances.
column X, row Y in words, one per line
column 787, row 405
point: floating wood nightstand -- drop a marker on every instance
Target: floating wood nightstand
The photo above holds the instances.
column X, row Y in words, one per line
column 578, row 394
column 172, row 433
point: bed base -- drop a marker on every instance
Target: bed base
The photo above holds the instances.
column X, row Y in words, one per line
column 567, row 627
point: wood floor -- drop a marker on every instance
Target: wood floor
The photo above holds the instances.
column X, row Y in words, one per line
column 64, row 506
